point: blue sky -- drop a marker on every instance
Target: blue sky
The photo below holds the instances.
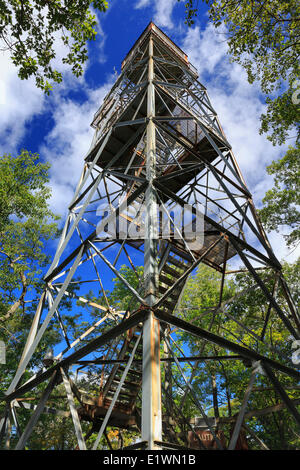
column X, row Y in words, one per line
column 58, row 127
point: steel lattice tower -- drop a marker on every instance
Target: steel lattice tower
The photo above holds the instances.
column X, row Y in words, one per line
column 157, row 143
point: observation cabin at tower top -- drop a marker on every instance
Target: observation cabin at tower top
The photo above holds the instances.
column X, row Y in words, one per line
column 180, row 101
column 161, row 36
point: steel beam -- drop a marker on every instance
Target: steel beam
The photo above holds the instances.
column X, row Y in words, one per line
column 151, row 387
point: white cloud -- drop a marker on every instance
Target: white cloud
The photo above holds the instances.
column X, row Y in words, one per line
column 20, row 101
column 68, row 142
column 163, row 10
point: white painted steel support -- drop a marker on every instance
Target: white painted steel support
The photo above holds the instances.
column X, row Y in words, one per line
column 151, row 390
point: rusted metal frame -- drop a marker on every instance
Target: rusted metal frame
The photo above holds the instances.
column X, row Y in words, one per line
column 255, row 258
column 135, row 193
column 116, row 272
column 37, row 412
column 241, row 415
column 130, row 322
column 176, row 228
column 164, row 51
column 269, row 307
column 187, row 272
column 73, row 410
column 116, row 120
column 202, row 97
column 116, row 395
column 265, row 290
column 195, row 399
column 116, row 193
column 208, row 173
column 123, row 343
column 62, row 327
column 232, row 224
column 45, row 324
column 281, row 392
column 224, row 343
column 231, row 236
column 183, row 84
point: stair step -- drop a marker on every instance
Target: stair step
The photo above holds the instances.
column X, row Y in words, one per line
column 166, row 280
column 182, row 254
column 123, row 393
column 167, row 269
column 129, row 385
column 131, row 371
column 169, row 305
column 177, row 263
column 173, row 295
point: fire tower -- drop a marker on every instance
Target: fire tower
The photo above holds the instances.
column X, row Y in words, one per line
column 161, row 189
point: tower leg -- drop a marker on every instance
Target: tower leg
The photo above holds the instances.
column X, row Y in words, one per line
column 151, row 392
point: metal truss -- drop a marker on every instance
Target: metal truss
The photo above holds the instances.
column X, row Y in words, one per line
column 157, row 143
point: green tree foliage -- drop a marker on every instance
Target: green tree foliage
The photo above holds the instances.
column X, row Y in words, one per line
column 281, row 203
column 221, row 385
column 26, row 225
column 264, row 37
column 31, row 31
